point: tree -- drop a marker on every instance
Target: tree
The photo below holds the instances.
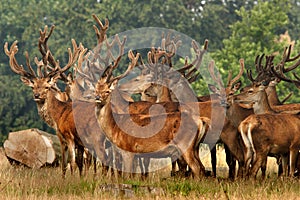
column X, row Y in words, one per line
column 256, row 33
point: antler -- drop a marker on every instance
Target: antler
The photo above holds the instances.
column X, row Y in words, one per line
column 286, row 58
column 263, row 72
column 231, row 81
column 78, row 51
column 134, row 59
column 101, row 34
column 216, row 78
column 279, row 70
column 190, row 71
column 18, row 69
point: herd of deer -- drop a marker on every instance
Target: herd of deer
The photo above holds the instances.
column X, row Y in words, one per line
column 252, row 125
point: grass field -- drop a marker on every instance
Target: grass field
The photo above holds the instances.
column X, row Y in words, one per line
column 46, row 183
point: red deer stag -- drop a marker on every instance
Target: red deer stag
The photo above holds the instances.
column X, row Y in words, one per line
column 169, row 141
column 269, row 133
column 55, row 113
column 87, row 127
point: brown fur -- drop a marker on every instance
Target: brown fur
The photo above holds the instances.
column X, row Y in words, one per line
column 169, row 140
column 263, row 131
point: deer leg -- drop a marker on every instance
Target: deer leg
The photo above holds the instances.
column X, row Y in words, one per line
column 213, row 156
column 146, row 163
column 182, row 165
column 241, row 170
column 64, row 150
column 257, row 164
column 263, row 168
column 297, row 170
column 249, row 150
column 87, row 160
column 79, row 158
column 99, row 150
column 71, row 147
column 191, row 156
column 128, row 157
column 231, row 162
column 285, row 165
column 95, row 163
column 293, row 160
column 279, row 162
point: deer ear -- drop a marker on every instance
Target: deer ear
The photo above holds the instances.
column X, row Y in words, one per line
column 237, row 86
column 261, row 87
column 113, row 85
column 213, row 89
column 70, row 77
column 26, row 81
column 53, row 79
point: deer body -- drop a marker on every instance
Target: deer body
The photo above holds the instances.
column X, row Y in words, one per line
column 268, row 132
column 170, row 140
column 58, row 115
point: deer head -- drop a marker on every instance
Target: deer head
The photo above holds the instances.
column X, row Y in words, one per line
column 232, row 85
column 107, row 83
column 46, row 77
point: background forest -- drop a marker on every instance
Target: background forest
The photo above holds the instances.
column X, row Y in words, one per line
column 235, row 29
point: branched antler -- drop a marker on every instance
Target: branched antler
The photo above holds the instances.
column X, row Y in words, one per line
column 18, row 69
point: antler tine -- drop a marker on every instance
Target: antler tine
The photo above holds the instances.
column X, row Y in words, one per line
column 286, row 58
column 242, row 66
column 73, row 56
column 78, row 68
column 15, row 67
column 263, row 72
column 199, row 55
column 163, row 44
column 134, row 60
column 115, row 61
column 296, row 76
column 82, row 56
column 43, row 46
column 249, row 75
column 229, row 77
column 28, row 64
column 281, row 76
column 103, row 28
column 294, row 66
column 121, row 50
column 217, row 78
column 195, row 63
column 193, row 78
column 121, row 45
column 40, row 64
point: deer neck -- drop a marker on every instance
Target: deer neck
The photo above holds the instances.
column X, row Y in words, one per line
column 262, row 106
column 272, row 95
column 164, row 95
column 52, row 109
column 105, row 117
column 119, row 101
column 236, row 114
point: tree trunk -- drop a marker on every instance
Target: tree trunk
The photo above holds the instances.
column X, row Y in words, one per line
column 32, row 147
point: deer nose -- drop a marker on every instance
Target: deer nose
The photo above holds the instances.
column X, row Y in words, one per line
column 97, row 97
column 36, row 95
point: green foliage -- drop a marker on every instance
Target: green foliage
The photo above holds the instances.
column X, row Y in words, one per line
column 256, row 33
column 235, row 29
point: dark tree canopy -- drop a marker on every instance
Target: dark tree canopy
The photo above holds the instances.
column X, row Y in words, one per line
column 236, row 29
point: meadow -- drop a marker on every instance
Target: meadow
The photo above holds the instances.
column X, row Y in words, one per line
column 47, row 183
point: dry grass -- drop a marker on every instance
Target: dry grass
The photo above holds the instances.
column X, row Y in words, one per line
column 46, row 183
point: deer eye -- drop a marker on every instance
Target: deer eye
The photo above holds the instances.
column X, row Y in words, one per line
column 250, row 91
